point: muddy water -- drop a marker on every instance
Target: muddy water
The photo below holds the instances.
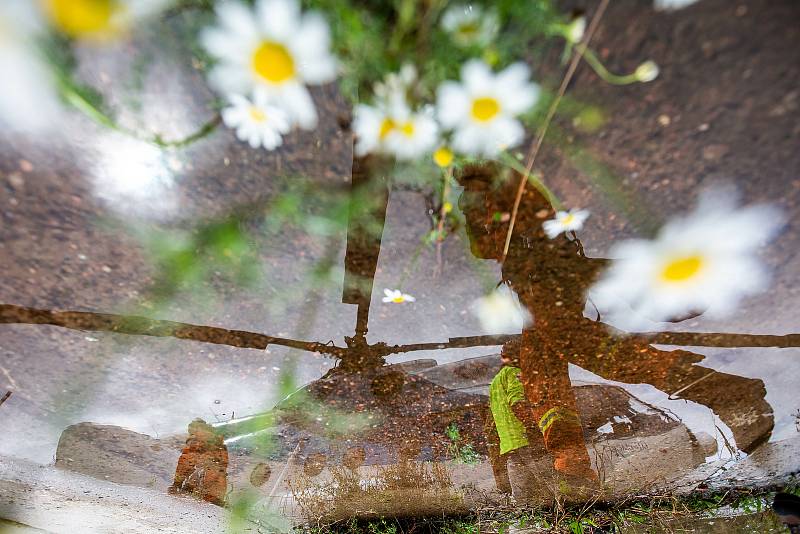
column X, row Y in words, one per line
column 145, row 289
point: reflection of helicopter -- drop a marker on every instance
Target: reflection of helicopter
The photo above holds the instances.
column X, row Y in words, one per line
column 360, row 264
column 361, row 371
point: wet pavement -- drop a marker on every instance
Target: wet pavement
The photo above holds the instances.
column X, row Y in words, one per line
column 111, row 346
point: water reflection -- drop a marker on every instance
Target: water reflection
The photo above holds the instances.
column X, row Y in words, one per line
column 516, row 422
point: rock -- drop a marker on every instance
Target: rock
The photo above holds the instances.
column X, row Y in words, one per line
column 117, row 455
column 260, row 474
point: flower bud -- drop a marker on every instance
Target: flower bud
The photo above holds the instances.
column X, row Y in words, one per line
column 646, row 72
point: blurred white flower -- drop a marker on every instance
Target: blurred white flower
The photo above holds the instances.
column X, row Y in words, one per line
column 133, row 177
column 99, row 18
column 273, row 47
column 28, row 98
column 482, row 109
column 665, row 5
column 470, row 25
column 565, row 221
column 704, row 262
column 397, row 296
column 392, row 128
column 501, row 313
column 647, row 71
column 257, row 122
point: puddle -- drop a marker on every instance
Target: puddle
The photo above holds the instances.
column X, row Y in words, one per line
column 235, row 324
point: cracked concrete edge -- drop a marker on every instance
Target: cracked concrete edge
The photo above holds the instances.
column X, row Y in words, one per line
column 772, row 466
column 54, row 500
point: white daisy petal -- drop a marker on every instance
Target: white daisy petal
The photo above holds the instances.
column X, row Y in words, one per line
column 299, row 106
column 552, row 228
column 477, row 76
column 471, row 139
column 366, row 126
column 311, row 44
column 236, row 18
column 507, row 133
column 229, row 79
column 451, row 101
column 278, row 18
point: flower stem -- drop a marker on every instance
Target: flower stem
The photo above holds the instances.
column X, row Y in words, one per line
column 608, row 76
column 533, row 178
column 77, row 100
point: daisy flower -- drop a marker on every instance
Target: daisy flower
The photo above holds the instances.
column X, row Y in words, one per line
column 470, row 25
column 99, row 18
column 482, row 109
column 272, row 47
column 704, row 262
column 565, row 221
column 392, row 128
column 397, row 296
column 257, row 122
column 501, row 313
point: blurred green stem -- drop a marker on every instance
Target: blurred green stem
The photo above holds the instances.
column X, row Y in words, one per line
column 74, row 98
column 533, row 179
column 593, row 61
column 406, row 9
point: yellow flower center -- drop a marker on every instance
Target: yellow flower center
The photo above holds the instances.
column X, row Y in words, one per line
column 407, row 129
column 82, row 17
column 257, row 115
column 468, row 29
column 386, row 128
column 682, row 269
column 484, row 109
column 443, row 156
column 569, row 219
column 273, row 62
column 398, row 299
